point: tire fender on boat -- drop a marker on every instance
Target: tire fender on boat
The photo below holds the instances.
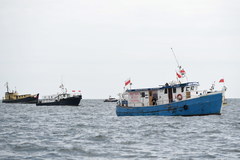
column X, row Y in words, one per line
column 179, row 97
column 185, row 107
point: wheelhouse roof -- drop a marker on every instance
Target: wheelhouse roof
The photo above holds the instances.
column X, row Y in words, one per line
column 165, row 86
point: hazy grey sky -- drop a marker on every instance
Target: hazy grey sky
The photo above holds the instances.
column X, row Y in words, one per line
column 96, row 45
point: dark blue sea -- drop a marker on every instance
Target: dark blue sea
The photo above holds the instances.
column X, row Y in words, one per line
column 93, row 131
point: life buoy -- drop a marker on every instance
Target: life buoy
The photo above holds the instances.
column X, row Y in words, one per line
column 179, row 97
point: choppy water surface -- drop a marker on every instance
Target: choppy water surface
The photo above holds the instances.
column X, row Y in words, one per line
column 93, row 131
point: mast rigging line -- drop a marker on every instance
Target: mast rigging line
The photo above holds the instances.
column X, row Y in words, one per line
column 175, row 58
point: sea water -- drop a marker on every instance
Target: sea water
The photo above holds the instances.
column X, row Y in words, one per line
column 93, row 131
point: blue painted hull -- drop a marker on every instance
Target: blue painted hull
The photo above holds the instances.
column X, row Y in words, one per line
column 205, row 105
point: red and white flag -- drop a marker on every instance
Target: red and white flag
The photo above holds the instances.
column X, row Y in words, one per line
column 76, row 90
column 221, row 80
column 127, row 82
column 182, row 71
column 179, row 75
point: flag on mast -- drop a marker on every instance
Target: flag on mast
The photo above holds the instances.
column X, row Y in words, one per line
column 178, row 75
column 221, row 80
column 127, row 82
column 182, row 71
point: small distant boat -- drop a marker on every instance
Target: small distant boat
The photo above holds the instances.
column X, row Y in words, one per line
column 110, row 99
column 14, row 97
column 63, row 98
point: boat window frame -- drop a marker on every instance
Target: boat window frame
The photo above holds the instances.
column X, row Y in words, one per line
column 165, row 91
column 174, row 90
column 143, row 94
column 182, row 89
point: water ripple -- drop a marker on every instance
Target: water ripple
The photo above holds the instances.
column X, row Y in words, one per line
column 93, row 131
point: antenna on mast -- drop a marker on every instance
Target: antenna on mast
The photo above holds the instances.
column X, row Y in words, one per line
column 6, row 85
column 61, row 79
column 62, row 86
column 175, row 58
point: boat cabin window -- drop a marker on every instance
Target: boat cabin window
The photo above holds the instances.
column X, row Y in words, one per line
column 182, row 89
column 188, row 89
column 143, row 94
column 146, row 95
column 192, row 88
column 155, row 95
column 174, row 90
column 165, row 91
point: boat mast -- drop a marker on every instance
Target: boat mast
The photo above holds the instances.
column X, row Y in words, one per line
column 6, row 84
column 179, row 67
column 175, row 58
column 62, row 87
column 64, row 90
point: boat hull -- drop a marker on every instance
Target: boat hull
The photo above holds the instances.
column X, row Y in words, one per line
column 71, row 101
column 205, row 105
column 27, row 100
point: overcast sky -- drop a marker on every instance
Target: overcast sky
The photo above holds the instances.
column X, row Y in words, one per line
column 94, row 46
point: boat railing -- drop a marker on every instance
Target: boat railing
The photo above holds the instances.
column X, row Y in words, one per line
column 162, row 101
column 59, row 96
column 47, row 100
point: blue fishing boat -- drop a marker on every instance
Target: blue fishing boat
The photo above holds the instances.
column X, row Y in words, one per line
column 179, row 98
column 170, row 100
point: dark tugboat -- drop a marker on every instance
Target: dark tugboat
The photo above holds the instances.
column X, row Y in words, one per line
column 14, row 97
column 63, row 98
